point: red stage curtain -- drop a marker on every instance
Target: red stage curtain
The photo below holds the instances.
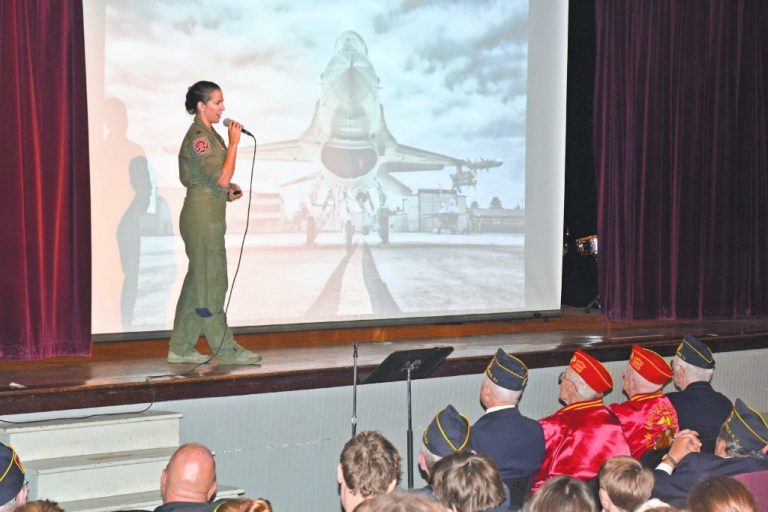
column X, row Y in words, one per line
column 681, row 124
column 45, row 239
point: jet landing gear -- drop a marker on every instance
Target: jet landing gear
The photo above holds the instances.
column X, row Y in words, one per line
column 349, row 233
column 311, row 231
column 383, row 216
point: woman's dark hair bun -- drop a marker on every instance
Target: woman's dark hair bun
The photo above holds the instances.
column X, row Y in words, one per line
column 199, row 91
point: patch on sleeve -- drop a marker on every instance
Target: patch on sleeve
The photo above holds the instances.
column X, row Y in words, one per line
column 200, row 145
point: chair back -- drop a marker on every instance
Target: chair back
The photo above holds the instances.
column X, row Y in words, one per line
column 757, row 483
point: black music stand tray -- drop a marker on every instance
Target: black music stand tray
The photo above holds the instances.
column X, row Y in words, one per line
column 407, row 365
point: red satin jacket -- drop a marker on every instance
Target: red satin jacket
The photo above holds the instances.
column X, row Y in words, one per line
column 579, row 438
column 649, row 421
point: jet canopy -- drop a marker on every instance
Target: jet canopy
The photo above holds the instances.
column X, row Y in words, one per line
column 350, row 41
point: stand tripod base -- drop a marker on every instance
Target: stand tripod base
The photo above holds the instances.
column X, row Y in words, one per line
column 595, row 304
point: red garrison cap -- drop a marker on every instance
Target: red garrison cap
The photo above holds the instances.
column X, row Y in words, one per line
column 592, row 371
column 650, row 365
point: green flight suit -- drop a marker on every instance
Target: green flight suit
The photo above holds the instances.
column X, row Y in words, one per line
column 202, row 225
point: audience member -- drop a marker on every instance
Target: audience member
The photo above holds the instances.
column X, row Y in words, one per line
column 242, row 505
column 40, row 506
column 655, row 505
column 514, row 442
column 260, row 505
column 584, row 433
column 624, row 484
column 648, row 419
column 399, row 501
column 13, row 488
column 447, row 433
column 231, row 505
column 369, row 465
column 562, row 494
column 721, row 494
column 699, row 407
column 469, row 482
column 741, row 447
column 188, row 482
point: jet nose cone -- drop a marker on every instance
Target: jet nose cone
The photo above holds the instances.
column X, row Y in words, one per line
column 351, row 42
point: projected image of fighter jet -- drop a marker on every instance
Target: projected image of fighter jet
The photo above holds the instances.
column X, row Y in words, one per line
column 354, row 150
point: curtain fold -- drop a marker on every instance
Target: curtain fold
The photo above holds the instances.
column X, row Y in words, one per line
column 680, row 139
column 45, row 234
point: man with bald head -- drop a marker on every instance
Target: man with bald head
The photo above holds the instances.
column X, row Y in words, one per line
column 188, row 482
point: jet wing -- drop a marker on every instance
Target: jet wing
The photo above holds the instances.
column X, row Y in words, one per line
column 287, row 150
column 407, row 158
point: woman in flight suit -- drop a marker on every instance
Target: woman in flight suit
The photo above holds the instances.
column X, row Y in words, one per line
column 206, row 166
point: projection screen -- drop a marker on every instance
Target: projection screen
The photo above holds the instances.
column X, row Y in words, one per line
column 409, row 160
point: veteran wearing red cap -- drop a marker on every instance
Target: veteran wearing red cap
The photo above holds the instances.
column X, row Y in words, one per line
column 583, row 434
column 648, row 418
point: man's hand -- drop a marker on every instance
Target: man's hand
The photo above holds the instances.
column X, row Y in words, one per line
column 685, row 442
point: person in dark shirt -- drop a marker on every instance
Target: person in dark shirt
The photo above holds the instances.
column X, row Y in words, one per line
column 740, row 448
column 513, row 441
column 699, row 407
column 188, row 482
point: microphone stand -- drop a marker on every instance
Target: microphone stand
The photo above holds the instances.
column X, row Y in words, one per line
column 355, row 345
column 411, row 367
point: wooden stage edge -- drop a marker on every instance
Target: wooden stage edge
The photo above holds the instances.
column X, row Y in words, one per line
column 136, row 372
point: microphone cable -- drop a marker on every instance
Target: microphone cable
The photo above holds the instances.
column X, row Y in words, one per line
column 237, row 267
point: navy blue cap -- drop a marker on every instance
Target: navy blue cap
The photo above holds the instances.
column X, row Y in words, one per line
column 693, row 351
column 507, row 371
column 747, row 426
column 11, row 474
column 447, row 433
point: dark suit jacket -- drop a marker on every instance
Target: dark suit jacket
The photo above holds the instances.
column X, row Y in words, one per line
column 694, row 468
column 514, row 442
column 701, row 408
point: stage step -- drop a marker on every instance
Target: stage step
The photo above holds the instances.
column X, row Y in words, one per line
column 137, row 501
column 85, row 436
column 94, row 475
column 101, row 463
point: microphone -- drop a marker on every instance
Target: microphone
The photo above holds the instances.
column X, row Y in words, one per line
column 228, row 120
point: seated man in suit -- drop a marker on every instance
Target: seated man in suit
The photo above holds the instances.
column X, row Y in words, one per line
column 648, row 419
column 699, row 407
column 584, row 433
column 740, row 448
column 13, row 488
column 514, row 442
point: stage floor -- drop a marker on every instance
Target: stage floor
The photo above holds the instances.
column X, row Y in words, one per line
column 132, row 372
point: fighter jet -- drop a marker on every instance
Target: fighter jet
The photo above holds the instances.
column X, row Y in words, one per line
column 354, row 150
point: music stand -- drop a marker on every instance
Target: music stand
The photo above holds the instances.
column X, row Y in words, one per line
column 407, row 365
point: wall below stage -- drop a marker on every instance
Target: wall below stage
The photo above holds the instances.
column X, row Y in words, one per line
column 285, row 446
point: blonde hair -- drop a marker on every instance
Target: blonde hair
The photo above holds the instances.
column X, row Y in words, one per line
column 627, row 483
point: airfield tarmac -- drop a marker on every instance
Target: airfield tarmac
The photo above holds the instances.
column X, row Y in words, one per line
column 282, row 280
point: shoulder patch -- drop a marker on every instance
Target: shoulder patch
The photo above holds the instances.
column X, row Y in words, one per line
column 200, row 145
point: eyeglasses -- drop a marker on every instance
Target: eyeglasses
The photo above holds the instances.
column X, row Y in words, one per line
column 561, row 378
